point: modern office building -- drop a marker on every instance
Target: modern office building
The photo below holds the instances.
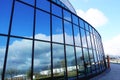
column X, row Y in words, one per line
column 46, row 40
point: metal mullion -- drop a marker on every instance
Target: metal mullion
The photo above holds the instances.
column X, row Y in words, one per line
column 87, row 48
column 51, row 45
column 74, row 46
column 94, row 40
column 8, row 40
column 92, row 48
column 33, row 41
column 81, row 46
column 66, row 76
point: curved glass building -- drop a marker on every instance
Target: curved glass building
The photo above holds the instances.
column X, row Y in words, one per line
column 46, row 40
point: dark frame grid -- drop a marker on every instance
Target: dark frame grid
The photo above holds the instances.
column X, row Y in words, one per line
column 98, row 45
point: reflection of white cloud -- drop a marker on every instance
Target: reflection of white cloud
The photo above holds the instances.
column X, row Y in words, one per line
column 112, row 47
column 20, row 51
column 94, row 16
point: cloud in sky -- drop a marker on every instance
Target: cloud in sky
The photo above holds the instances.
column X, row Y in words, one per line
column 112, row 47
column 94, row 16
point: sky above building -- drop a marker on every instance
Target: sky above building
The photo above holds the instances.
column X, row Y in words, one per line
column 104, row 16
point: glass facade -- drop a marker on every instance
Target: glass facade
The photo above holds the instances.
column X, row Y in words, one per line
column 41, row 40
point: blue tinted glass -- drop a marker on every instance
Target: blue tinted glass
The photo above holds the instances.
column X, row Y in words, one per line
column 2, row 52
column 88, row 39
column 56, row 10
column 43, row 4
column 77, row 35
column 67, row 15
column 57, row 29
column 75, row 19
column 81, row 23
column 42, row 30
column 83, row 36
column 68, row 33
column 22, row 24
column 28, row 1
column 42, row 61
column 86, row 26
column 5, row 13
column 19, row 58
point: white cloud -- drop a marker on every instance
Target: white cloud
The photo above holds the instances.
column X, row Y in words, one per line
column 112, row 47
column 94, row 16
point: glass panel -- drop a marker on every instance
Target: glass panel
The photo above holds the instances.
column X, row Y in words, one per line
column 22, row 20
column 81, row 23
column 57, row 29
column 80, row 63
column 75, row 19
column 83, row 36
column 87, row 62
column 88, row 39
column 44, row 5
column 42, row 60
column 76, row 35
column 2, row 53
column 5, row 13
column 68, row 33
column 71, row 65
column 28, row 1
column 42, row 26
column 58, row 62
column 86, row 26
column 19, row 59
column 67, row 15
column 56, row 10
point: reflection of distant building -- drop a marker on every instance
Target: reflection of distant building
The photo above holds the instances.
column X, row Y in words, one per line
column 47, row 40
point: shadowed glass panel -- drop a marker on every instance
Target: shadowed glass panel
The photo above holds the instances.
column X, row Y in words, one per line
column 42, row 60
column 58, row 62
column 57, row 29
column 5, row 12
column 42, row 30
column 22, row 24
column 80, row 62
column 71, row 65
column 19, row 59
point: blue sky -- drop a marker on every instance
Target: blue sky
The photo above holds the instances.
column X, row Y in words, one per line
column 106, row 14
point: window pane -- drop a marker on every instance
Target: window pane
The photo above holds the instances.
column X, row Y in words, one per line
column 81, row 23
column 44, row 5
column 75, row 19
column 88, row 39
column 86, row 26
column 68, row 33
column 87, row 62
column 77, row 35
column 22, row 20
column 58, row 62
column 71, row 65
column 42, row 26
column 2, row 53
column 67, row 15
column 80, row 63
column 83, row 36
column 42, row 60
column 19, row 58
column 5, row 13
column 56, row 10
column 57, row 29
